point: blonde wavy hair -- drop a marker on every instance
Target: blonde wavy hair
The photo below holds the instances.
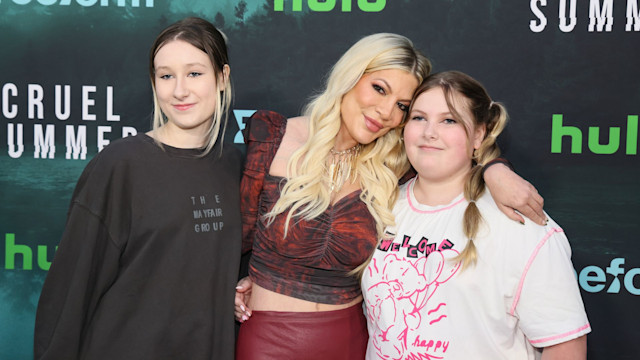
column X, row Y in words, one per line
column 380, row 163
column 204, row 36
column 470, row 94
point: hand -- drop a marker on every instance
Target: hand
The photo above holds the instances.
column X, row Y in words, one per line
column 243, row 294
column 514, row 195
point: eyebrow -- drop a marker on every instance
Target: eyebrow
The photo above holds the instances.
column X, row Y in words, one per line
column 391, row 89
column 448, row 113
column 187, row 65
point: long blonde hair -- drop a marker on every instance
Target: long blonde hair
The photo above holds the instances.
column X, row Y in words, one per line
column 204, row 36
column 485, row 112
column 380, row 163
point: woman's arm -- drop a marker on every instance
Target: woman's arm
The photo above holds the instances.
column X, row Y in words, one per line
column 514, row 195
column 263, row 134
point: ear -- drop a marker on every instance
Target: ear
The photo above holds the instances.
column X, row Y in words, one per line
column 479, row 135
column 224, row 79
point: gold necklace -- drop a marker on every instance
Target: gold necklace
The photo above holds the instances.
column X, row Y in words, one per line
column 340, row 166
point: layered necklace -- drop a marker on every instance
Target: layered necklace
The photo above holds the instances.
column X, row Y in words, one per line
column 340, row 166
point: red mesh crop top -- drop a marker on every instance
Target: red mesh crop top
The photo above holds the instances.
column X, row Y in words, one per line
column 314, row 260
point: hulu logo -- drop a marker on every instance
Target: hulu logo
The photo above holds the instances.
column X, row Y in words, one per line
column 13, row 250
column 558, row 131
column 329, row 5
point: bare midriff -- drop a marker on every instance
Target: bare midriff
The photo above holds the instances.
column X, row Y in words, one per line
column 267, row 300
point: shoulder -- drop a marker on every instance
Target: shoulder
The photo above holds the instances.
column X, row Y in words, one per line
column 110, row 169
column 232, row 156
column 295, row 136
column 264, row 126
column 498, row 220
column 524, row 240
column 119, row 154
column 298, row 127
column 128, row 147
column 269, row 126
column 230, row 150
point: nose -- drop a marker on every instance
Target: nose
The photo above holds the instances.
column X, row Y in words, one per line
column 429, row 130
column 181, row 89
column 386, row 108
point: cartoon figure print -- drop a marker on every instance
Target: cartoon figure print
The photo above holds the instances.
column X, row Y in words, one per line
column 404, row 290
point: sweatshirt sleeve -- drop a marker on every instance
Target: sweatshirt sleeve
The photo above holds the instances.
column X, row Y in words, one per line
column 84, row 267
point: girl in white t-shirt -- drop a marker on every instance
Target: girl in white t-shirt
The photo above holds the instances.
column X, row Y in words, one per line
column 456, row 278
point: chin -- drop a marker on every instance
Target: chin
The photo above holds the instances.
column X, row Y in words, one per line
column 373, row 137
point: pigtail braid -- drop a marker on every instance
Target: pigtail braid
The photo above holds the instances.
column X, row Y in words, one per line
column 495, row 119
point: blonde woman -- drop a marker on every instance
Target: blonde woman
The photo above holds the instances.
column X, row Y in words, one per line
column 455, row 279
column 317, row 194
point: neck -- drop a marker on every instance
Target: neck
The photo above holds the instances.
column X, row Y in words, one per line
column 343, row 140
column 434, row 192
column 179, row 139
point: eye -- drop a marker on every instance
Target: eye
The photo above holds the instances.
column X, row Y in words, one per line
column 417, row 118
column 194, row 74
column 403, row 107
column 164, row 77
column 449, row 121
column 379, row 89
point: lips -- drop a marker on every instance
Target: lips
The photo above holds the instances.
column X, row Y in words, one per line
column 372, row 125
column 428, row 148
column 183, row 107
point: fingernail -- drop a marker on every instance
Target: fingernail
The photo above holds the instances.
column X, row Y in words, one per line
column 238, row 287
column 244, row 318
column 521, row 222
column 242, row 307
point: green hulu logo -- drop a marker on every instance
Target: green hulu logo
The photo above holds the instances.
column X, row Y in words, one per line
column 558, row 131
column 330, row 5
column 12, row 251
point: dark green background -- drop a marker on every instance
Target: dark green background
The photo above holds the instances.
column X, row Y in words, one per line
column 278, row 60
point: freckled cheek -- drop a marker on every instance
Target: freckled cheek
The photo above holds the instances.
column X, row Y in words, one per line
column 409, row 141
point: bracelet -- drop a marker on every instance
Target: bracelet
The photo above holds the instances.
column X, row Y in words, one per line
column 497, row 161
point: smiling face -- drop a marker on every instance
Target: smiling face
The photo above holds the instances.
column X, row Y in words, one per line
column 436, row 142
column 377, row 103
column 186, row 86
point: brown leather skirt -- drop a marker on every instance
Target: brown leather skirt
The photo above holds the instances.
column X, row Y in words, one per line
column 333, row 335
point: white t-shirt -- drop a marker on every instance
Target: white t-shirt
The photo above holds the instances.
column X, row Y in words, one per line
column 520, row 295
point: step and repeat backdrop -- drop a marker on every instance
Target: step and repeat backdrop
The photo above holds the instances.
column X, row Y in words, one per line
column 73, row 77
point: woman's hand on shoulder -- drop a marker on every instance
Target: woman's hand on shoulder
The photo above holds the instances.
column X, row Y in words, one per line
column 514, row 195
column 243, row 294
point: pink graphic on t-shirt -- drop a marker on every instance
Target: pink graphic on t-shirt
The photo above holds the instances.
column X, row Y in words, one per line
column 395, row 303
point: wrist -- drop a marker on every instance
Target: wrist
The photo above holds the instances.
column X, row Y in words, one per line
column 495, row 161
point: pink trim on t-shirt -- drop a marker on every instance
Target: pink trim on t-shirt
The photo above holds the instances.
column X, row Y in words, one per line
column 529, row 262
column 556, row 337
column 410, row 186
